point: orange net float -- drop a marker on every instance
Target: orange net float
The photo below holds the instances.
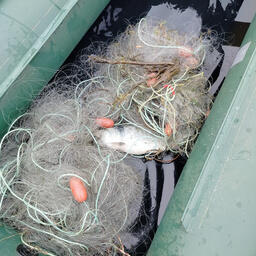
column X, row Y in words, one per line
column 105, row 122
column 152, row 80
column 185, row 52
column 78, row 189
column 168, row 130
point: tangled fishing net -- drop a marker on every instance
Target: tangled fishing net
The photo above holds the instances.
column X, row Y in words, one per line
column 40, row 154
column 157, row 75
column 145, row 93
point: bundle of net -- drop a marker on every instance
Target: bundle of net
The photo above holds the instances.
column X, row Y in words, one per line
column 161, row 90
column 65, row 194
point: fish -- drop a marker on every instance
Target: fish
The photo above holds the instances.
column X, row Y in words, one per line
column 131, row 140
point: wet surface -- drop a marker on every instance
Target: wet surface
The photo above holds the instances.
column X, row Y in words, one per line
column 160, row 179
column 22, row 250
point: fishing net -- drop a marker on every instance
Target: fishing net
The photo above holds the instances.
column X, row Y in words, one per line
column 159, row 83
column 144, row 93
column 41, row 152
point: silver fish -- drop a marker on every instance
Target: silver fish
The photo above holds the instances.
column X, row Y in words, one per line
column 131, row 140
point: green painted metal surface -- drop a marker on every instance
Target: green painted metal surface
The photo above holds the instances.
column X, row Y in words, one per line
column 213, row 210
column 36, row 38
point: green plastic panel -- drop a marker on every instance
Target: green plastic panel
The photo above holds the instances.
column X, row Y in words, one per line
column 213, row 208
column 36, row 38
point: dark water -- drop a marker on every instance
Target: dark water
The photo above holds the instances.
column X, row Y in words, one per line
column 159, row 178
